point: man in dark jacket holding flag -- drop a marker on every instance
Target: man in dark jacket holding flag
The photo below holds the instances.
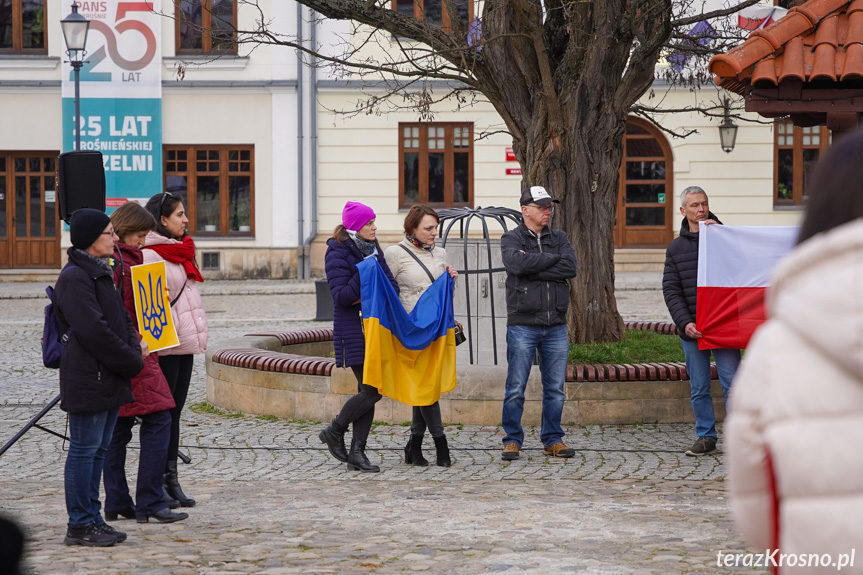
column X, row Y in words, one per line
column 538, row 261
column 680, row 288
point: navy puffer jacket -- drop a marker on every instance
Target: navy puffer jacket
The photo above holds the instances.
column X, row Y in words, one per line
column 680, row 277
column 343, row 278
column 102, row 353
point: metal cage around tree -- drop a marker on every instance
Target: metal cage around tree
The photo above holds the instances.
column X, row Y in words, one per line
column 479, row 267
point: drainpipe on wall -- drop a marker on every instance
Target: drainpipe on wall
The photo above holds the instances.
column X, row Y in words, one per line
column 313, row 134
column 301, row 256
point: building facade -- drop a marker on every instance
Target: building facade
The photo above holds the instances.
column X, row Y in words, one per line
column 260, row 147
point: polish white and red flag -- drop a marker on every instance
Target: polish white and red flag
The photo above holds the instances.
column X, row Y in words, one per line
column 734, row 268
column 758, row 17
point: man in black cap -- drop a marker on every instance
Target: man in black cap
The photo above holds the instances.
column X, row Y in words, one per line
column 538, row 261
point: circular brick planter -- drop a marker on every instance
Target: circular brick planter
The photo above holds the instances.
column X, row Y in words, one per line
column 293, row 375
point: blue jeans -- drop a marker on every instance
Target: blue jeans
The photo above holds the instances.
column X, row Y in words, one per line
column 522, row 344
column 89, row 437
column 155, row 433
column 698, row 367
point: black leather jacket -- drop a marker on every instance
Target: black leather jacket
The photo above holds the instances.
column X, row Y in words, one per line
column 537, row 268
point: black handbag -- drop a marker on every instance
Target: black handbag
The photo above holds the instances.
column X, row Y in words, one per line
column 459, row 333
column 460, row 338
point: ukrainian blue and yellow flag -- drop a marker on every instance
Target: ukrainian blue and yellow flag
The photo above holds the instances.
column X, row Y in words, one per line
column 409, row 357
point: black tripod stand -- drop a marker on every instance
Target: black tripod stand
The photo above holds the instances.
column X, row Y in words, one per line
column 35, row 423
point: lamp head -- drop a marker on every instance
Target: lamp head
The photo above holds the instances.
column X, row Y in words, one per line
column 727, row 130
column 75, row 28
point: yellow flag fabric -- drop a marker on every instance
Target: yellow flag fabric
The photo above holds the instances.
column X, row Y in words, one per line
column 409, row 357
column 152, row 306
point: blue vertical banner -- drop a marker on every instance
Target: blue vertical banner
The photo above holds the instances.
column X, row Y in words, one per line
column 121, row 97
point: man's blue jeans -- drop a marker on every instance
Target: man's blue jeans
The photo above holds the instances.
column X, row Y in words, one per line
column 698, row 367
column 522, row 344
column 89, row 437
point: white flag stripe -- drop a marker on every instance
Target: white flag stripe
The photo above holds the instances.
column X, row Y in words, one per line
column 741, row 256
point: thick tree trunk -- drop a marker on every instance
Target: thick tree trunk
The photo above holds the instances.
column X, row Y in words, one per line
column 581, row 168
column 588, row 218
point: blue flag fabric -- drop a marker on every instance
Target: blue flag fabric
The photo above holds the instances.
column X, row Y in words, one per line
column 410, row 357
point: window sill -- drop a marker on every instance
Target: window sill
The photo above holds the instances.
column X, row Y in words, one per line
column 28, row 62
column 215, row 62
column 204, row 237
column 788, row 208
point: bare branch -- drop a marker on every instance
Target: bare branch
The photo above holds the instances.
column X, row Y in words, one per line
column 714, row 14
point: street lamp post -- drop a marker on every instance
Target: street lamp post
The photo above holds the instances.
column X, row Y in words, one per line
column 75, row 28
column 727, row 129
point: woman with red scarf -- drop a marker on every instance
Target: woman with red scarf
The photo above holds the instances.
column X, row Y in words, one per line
column 169, row 243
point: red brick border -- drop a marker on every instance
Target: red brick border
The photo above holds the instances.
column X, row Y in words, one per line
column 266, row 360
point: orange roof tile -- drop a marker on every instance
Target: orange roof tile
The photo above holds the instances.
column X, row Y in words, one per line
column 819, row 40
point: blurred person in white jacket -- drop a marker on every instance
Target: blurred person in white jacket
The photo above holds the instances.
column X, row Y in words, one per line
column 796, row 479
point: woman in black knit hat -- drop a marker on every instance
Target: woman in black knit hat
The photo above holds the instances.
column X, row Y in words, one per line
column 101, row 355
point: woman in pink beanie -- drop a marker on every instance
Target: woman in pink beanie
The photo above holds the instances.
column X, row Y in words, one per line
column 352, row 242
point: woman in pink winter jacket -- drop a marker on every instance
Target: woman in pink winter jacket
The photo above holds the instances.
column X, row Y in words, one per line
column 169, row 243
column 797, row 401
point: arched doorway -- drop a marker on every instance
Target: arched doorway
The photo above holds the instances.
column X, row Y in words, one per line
column 645, row 202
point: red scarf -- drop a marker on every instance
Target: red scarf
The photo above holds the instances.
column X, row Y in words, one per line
column 182, row 253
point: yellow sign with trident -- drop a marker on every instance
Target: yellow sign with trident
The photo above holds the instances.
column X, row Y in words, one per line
column 152, row 306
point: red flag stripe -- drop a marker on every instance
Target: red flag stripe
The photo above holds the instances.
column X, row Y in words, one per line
column 729, row 316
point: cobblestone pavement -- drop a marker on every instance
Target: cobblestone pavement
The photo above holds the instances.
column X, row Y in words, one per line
column 272, row 501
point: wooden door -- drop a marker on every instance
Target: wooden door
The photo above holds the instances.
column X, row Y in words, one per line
column 29, row 225
column 645, row 202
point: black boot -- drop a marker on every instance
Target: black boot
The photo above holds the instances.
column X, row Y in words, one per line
column 357, row 460
column 442, row 448
column 414, row 452
column 334, row 437
column 172, row 503
column 172, row 485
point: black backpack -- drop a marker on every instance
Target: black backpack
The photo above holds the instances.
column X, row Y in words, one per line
column 53, row 338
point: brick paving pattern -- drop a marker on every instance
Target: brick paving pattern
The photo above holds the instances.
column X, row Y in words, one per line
column 272, row 501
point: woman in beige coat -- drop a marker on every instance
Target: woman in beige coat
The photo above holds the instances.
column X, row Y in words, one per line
column 795, row 476
column 415, row 263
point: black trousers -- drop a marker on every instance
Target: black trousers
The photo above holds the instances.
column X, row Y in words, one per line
column 427, row 415
column 178, row 372
column 155, row 431
column 360, row 409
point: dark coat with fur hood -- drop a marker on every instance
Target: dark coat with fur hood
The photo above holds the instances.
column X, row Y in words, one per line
column 102, row 353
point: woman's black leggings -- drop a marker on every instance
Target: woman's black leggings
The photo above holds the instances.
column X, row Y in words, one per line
column 178, row 372
column 360, row 409
column 427, row 414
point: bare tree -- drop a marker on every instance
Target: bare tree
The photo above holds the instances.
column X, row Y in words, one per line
column 562, row 74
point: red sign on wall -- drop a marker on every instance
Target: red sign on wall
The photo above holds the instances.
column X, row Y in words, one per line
column 513, row 171
column 510, row 155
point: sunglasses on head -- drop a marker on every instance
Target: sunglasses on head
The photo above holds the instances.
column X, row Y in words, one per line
column 162, row 200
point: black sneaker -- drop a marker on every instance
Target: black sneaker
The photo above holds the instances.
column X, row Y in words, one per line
column 89, row 536
column 105, row 528
column 703, row 446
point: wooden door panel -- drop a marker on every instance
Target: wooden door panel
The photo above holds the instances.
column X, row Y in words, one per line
column 645, row 195
column 5, row 217
column 644, row 237
column 31, row 238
